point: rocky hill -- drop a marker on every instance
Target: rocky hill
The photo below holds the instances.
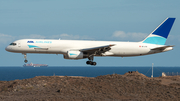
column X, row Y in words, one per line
column 130, row 86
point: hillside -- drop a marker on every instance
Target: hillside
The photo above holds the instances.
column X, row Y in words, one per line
column 130, row 86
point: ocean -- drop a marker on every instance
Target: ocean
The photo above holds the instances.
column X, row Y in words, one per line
column 14, row 73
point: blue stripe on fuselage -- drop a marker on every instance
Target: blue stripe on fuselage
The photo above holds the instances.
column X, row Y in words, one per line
column 33, row 46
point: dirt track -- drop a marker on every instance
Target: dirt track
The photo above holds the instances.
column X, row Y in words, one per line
column 130, row 86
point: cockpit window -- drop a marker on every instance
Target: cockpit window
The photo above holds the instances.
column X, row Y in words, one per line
column 13, row 44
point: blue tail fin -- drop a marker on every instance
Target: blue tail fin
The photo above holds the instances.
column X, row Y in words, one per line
column 160, row 34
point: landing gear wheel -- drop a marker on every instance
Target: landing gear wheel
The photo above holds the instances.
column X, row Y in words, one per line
column 88, row 62
column 25, row 61
column 93, row 63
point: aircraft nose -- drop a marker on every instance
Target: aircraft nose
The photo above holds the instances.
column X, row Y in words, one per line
column 7, row 48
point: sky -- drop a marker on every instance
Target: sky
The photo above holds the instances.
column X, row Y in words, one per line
column 106, row 20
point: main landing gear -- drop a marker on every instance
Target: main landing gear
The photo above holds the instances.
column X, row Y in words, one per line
column 90, row 62
column 25, row 57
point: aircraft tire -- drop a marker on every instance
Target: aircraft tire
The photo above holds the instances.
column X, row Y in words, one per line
column 88, row 62
column 93, row 63
column 25, row 61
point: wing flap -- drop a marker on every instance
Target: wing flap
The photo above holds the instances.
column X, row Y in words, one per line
column 97, row 50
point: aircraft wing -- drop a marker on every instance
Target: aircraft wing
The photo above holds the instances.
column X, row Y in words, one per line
column 97, row 50
column 161, row 48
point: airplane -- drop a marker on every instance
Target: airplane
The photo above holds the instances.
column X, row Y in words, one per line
column 81, row 49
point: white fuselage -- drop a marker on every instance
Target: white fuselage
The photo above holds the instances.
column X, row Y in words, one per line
column 121, row 49
column 80, row 49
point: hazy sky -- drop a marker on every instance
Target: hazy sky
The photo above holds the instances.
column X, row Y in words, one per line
column 87, row 20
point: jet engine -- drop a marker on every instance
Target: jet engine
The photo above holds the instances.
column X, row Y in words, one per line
column 75, row 55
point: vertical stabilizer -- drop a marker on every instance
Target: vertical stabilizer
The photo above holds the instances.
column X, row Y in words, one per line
column 160, row 34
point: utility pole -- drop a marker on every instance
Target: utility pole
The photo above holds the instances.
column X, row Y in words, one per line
column 152, row 70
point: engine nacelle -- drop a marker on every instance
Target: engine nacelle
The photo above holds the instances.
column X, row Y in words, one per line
column 74, row 55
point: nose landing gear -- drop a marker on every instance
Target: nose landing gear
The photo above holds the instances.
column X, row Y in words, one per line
column 25, row 57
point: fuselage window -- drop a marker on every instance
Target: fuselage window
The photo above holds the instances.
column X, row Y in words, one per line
column 13, row 44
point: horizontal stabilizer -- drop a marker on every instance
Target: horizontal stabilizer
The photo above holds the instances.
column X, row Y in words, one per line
column 161, row 48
